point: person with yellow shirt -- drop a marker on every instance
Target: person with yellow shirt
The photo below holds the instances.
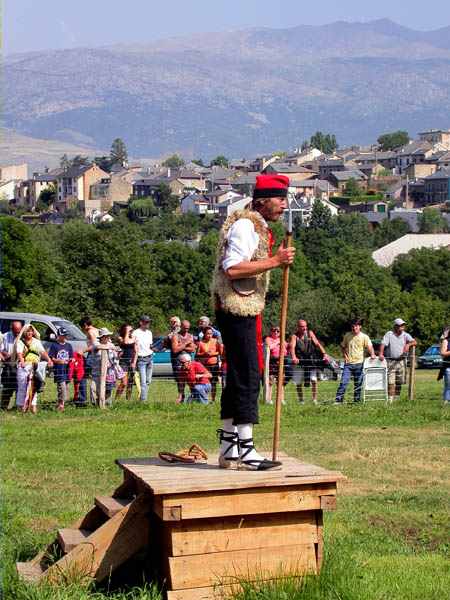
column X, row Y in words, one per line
column 354, row 346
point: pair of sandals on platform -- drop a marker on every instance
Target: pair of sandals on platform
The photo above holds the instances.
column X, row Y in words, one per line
column 237, row 454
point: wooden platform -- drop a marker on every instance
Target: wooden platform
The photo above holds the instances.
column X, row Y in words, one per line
column 208, row 528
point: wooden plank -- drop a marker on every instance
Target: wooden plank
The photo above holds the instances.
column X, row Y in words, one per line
column 239, row 533
column 164, row 478
column 29, row 571
column 224, row 567
column 108, row 547
column 69, row 538
column 328, row 502
column 200, row 471
column 240, row 502
column 110, row 506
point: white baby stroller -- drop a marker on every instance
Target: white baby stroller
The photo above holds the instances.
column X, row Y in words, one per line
column 375, row 380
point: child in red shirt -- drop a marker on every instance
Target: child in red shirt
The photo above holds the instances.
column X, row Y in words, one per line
column 76, row 373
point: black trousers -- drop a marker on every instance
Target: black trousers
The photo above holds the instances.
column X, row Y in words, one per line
column 240, row 396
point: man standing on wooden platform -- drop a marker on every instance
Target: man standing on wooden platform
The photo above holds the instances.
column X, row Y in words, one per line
column 241, row 280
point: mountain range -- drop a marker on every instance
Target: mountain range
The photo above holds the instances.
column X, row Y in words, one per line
column 236, row 93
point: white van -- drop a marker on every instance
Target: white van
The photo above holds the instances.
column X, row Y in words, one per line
column 47, row 327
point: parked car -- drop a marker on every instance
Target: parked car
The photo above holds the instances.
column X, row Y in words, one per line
column 47, row 327
column 431, row 358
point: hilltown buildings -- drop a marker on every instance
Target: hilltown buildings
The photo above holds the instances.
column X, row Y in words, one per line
column 408, row 178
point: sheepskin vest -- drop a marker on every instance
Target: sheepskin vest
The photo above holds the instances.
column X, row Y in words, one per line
column 224, row 296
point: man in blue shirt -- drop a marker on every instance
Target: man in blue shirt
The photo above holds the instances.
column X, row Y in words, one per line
column 61, row 352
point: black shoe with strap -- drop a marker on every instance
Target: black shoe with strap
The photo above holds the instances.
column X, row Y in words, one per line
column 247, row 446
column 226, row 459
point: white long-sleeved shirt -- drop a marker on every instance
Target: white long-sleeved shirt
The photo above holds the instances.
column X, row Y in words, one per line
column 242, row 242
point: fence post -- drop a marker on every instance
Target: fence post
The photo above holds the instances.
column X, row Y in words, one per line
column 412, row 373
column 103, row 371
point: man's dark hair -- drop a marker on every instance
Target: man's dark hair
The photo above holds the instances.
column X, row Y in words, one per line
column 355, row 322
column 85, row 321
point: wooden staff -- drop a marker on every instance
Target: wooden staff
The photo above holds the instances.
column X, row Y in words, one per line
column 412, row 373
column 283, row 318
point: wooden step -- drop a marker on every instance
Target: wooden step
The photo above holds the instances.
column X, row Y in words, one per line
column 29, row 571
column 109, row 546
column 111, row 506
column 68, row 539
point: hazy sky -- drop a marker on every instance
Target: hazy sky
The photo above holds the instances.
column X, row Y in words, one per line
column 41, row 24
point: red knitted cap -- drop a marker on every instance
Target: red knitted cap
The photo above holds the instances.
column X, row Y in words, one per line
column 271, row 186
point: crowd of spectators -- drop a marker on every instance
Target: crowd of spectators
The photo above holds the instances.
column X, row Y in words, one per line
column 197, row 359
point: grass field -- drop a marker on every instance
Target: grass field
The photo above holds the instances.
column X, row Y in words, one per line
column 388, row 540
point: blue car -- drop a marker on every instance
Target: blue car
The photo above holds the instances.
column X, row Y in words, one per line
column 162, row 367
column 431, row 358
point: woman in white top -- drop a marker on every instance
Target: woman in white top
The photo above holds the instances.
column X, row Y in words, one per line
column 29, row 352
column 143, row 360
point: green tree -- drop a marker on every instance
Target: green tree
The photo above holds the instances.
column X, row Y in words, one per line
column 353, row 229
column 77, row 161
column 426, row 316
column 141, row 209
column 4, row 205
column 326, row 143
column 391, row 141
column 321, row 217
column 46, row 198
column 389, row 231
column 352, row 188
column 432, row 221
column 426, row 269
column 18, row 262
column 182, row 280
column 80, row 161
column 173, row 162
column 105, row 272
column 317, row 239
column 64, row 162
column 220, row 161
column 199, row 162
column 363, row 289
column 118, row 152
column 166, row 201
column 104, row 162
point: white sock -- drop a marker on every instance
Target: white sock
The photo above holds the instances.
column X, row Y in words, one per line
column 228, row 427
column 245, row 432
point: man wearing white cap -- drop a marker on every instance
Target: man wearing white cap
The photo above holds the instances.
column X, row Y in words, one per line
column 395, row 347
